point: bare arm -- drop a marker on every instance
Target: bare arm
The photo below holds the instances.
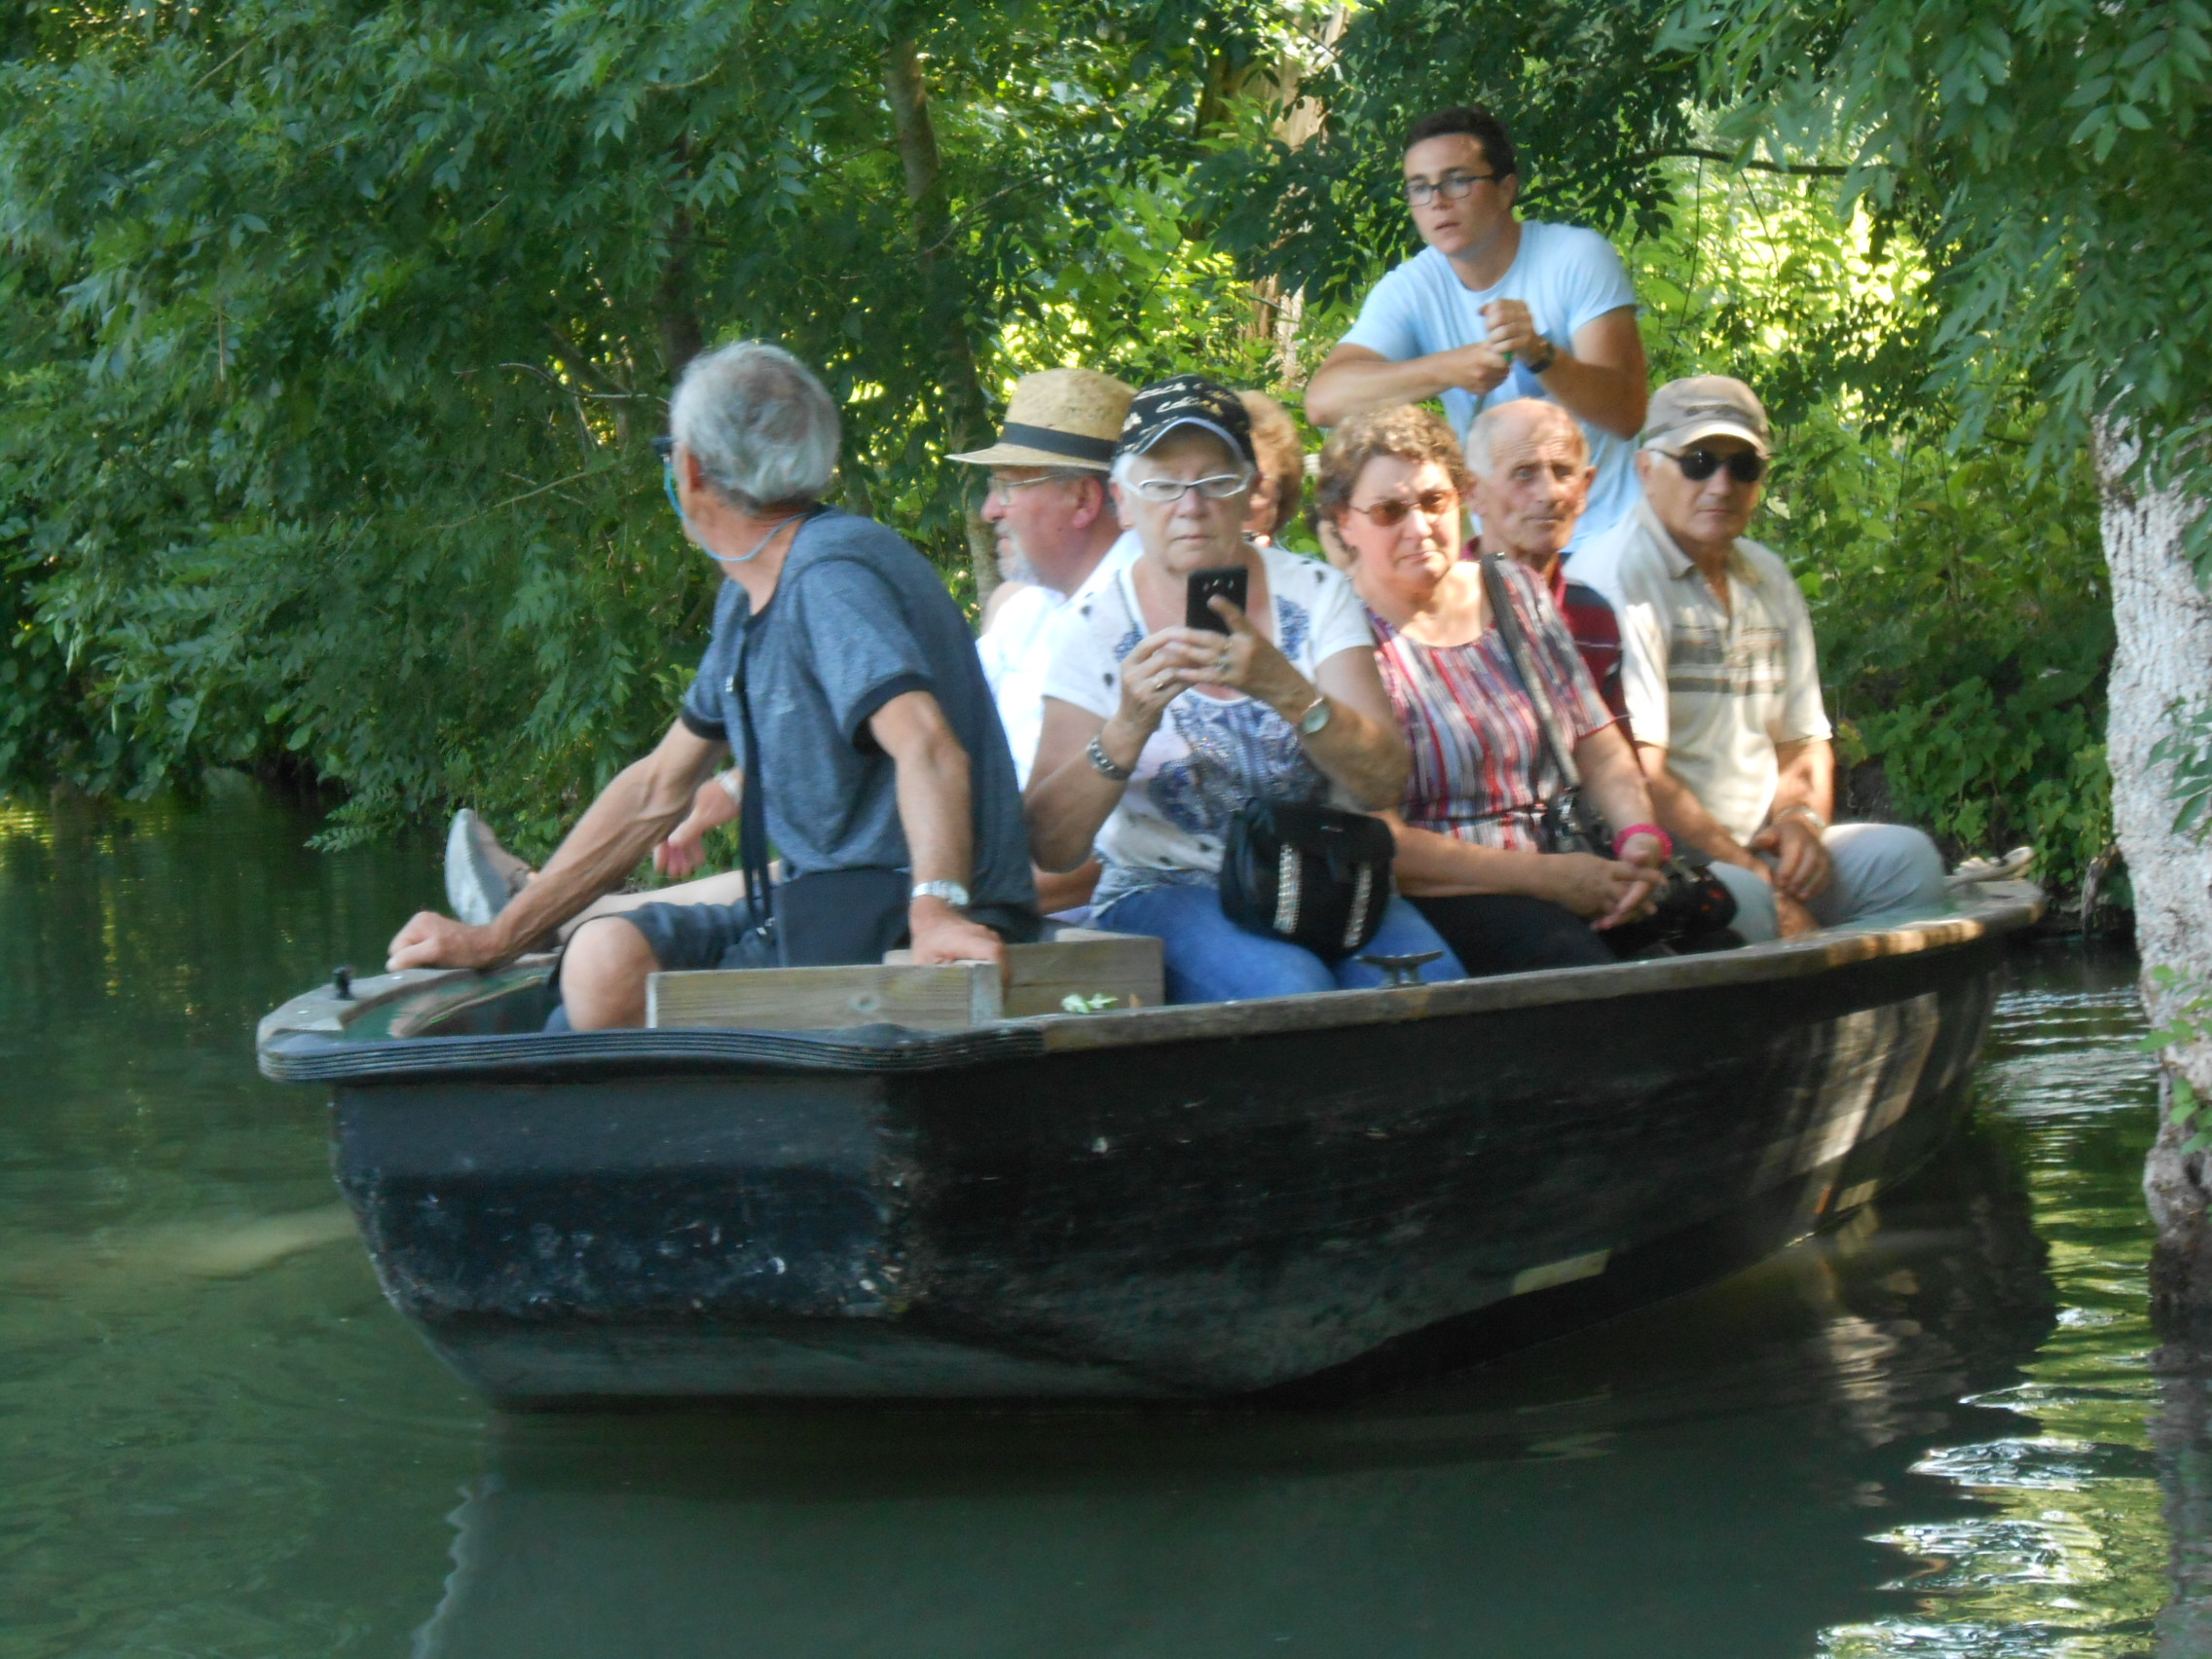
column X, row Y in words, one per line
column 1068, row 798
column 1616, row 786
column 1808, row 777
column 936, row 811
column 1802, row 867
column 1352, row 378
column 632, row 815
column 1684, row 816
column 1603, row 377
column 1361, row 747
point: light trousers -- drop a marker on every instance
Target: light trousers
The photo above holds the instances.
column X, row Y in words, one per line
column 1882, row 874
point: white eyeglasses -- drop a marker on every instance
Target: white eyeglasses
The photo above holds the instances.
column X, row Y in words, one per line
column 1218, row 487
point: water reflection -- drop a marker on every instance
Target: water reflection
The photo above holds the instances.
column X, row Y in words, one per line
column 220, row 1440
column 1697, row 1481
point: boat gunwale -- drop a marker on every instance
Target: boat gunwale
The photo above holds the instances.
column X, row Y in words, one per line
column 305, row 1040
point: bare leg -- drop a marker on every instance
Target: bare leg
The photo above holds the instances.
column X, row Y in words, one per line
column 727, row 888
column 603, row 977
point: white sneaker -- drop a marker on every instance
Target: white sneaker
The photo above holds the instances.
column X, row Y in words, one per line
column 2013, row 864
column 480, row 876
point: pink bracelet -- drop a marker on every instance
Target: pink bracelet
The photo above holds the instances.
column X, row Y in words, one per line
column 1666, row 841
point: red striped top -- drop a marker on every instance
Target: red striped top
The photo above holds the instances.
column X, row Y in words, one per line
column 1480, row 771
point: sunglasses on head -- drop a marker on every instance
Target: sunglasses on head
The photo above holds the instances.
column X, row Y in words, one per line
column 1745, row 466
column 1389, row 514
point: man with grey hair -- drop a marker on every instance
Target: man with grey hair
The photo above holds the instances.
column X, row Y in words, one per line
column 1532, row 471
column 842, row 672
column 1724, row 686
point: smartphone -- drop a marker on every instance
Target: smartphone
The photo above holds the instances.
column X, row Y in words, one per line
column 1233, row 582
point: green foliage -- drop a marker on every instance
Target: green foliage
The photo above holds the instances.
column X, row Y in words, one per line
column 1593, row 114
column 2059, row 150
column 1960, row 603
column 2188, row 749
column 332, row 333
column 2188, row 1022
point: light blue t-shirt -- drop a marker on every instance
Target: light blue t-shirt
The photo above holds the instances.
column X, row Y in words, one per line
column 1567, row 276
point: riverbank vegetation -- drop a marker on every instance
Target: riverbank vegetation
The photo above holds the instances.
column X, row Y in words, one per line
column 332, row 336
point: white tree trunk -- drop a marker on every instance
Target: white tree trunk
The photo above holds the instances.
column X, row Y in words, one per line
column 2164, row 656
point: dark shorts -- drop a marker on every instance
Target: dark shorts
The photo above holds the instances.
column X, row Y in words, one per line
column 723, row 936
column 703, row 936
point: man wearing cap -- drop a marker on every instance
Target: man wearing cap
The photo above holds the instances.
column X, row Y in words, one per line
column 1724, row 688
column 1056, row 529
column 1157, row 732
column 1495, row 307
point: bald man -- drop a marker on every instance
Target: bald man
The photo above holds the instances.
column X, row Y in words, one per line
column 1533, row 477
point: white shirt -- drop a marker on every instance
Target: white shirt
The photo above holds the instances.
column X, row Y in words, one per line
column 1015, row 655
column 1567, row 276
column 1210, row 755
column 1716, row 687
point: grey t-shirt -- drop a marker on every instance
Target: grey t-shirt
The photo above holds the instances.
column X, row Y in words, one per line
column 857, row 618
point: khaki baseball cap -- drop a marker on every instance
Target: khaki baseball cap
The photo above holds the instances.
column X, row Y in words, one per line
column 1705, row 406
column 1059, row 417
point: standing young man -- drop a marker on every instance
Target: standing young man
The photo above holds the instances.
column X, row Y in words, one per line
column 1497, row 307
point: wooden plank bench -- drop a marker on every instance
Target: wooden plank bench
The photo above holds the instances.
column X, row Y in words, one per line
column 1077, row 972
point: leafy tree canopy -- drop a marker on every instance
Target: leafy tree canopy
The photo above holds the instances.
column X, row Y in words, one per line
column 2059, row 151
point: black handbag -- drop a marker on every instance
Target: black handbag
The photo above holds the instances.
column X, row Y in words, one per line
column 1309, row 876
column 1690, row 907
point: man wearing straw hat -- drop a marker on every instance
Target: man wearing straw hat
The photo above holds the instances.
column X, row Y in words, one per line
column 1058, row 537
column 1056, row 529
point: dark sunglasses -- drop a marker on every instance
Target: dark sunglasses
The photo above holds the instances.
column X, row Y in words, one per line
column 1745, row 466
column 1391, row 513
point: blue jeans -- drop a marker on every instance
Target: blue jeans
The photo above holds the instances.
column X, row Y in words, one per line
column 1209, row 958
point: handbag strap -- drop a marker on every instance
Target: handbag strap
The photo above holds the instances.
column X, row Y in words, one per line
column 752, row 810
column 1524, row 667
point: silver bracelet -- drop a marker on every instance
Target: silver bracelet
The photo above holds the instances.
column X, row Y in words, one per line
column 1106, row 764
column 1808, row 814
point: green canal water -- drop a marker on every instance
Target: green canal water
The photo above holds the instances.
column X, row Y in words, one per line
column 1944, row 1432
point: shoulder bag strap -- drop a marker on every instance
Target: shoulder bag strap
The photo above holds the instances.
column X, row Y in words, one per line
column 1498, row 592
column 753, row 812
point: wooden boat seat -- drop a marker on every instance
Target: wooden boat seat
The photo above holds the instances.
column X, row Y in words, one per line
column 1079, row 971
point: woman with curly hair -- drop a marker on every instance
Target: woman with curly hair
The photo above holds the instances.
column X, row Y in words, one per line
column 1471, row 852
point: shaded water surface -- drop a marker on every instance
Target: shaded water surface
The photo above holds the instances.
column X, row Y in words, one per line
column 1942, row 1432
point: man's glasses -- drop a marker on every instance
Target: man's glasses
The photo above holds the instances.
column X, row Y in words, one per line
column 1452, row 187
column 1218, row 487
column 1745, row 466
column 1389, row 514
column 1003, row 489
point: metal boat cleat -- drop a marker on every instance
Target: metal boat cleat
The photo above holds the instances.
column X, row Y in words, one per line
column 1399, row 971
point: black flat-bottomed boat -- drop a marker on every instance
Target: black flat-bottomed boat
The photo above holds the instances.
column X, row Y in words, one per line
column 1299, row 1196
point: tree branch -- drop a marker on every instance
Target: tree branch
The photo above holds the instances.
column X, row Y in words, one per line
column 1801, row 169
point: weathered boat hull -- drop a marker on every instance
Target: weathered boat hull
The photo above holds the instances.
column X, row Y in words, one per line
column 1312, row 1194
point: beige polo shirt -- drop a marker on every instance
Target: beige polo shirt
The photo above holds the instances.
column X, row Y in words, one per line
column 1715, row 686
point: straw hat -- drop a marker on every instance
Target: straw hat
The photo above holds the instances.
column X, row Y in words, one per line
column 1061, row 418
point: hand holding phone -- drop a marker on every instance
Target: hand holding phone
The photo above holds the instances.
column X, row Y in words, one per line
column 1233, row 582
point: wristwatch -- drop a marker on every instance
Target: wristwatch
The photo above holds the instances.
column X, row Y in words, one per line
column 1315, row 718
column 1800, row 810
column 1537, row 365
column 951, row 892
